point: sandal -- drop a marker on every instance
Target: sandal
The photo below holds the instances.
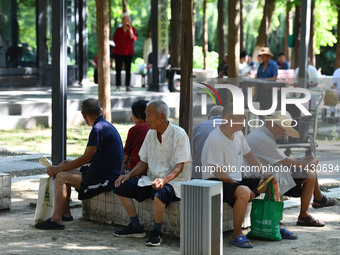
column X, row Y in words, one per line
column 67, row 218
column 324, row 202
column 286, row 234
column 239, row 242
column 309, row 221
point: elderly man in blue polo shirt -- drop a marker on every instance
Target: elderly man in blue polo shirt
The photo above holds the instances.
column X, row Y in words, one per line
column 104, row 152
column 268, row 68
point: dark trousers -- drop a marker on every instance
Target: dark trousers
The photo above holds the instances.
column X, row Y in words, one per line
column 119, row 63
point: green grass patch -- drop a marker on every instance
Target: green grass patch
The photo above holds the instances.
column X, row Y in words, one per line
column 39, row 139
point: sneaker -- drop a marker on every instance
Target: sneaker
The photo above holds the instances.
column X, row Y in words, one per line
column 128, row 88
column 130, row 231
column 155, row 239
column 48, row 224
column 117, row 88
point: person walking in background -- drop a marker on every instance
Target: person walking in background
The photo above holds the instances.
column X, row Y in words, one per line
column 94, row 63
column 282, row 63
column 268, row 68
column 124, row 37
column 222, row 69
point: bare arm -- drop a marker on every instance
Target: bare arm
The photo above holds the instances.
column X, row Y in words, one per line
column 139, row 169
column 299, row 163
column 254, row 161
column 274, row 78
column 69, row 165
column 160, row 182
column 125, row 161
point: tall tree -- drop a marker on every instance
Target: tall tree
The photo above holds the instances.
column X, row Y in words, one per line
column 221, row 28
column 185, row 117
column 124, row 6
column 262, row 39
column 337, row 64
column 103, row 29
column 205, row 35
column 176, row 32
column 193, row 20
column 288, row 29
column 233, row 38
column 311, row 46
column 242, row 42
column 296, row 33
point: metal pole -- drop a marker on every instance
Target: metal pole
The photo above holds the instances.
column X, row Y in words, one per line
column 155, row 71
column 59, row 83
column 304, row 42
column 83, row 42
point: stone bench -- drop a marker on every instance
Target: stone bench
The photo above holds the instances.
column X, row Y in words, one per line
column 106, row 208
column 5, row 191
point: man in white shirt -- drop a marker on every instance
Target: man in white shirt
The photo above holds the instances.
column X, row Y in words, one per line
column 222, row 159
column 165, row 157
column 262, row 142
column 199, row 134
column 312, row 82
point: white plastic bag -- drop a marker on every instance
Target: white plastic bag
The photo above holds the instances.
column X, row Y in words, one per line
column 45, row 202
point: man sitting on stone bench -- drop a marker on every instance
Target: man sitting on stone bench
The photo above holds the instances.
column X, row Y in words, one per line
column 222, row 158
column 104, row 152
column 165, row 155
column 262, row 142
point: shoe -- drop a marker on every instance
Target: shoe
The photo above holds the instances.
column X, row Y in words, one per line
column 130, row 231
column 48, row 224
column 128, row 88
column 155, row 239
column 117, row 88
column 67, row 218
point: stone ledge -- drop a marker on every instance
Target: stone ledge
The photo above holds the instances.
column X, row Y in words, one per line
column 5, row 191
column 106, row 208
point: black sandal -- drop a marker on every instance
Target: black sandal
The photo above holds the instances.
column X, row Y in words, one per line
column 48, row 224
column 324, row 202
column 309, row 221
column 67, row 218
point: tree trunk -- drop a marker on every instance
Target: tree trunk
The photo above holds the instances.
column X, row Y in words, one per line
column 311, row 46
column 233, row 38
column 193, row 21
column 124, row 5
column 185, row 117
column 205, row 35
column 337, row 64
column 262, row 39
column 175, row 33
column 242, row 42
column 297, row 35
column 288, row 31
column 221, row 28
column 104, row 88
column 148, row 41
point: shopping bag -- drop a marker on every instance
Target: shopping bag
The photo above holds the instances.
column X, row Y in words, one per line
column 45, row 202
column 265, row 217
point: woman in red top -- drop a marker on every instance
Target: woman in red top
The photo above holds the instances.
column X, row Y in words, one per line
column 124, row 38
column 135, row 136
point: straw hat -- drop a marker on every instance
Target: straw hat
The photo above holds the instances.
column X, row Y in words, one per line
column 278, row 119
column 265, row 51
